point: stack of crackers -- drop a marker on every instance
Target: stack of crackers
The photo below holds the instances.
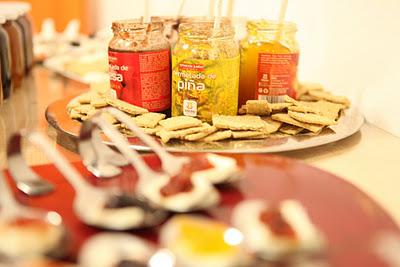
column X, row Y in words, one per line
column 315, row 110
column 86, row 105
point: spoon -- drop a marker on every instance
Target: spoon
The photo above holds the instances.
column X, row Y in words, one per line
column 202, row 195
column 171, row 164
column 35, row 240
column 225, row 169
column 99, row 159
column 25, row 178
column 101, row 207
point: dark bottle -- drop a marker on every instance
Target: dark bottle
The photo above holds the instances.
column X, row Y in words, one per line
column 16, row 47
column 5, row 61
column 26, row 26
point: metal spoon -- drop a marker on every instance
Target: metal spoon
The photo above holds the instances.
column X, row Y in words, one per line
column 150, row 182
column 102, row 208
column 99, row 159
column 171, row 164
column 145, row 173
column 21, row 244
column 26, row 179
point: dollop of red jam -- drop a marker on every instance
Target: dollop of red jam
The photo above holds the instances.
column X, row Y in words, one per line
column 276, row 223
column 200, row 163
column 180, row 183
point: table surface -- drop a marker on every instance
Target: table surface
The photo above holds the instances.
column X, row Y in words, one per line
column 368, row 159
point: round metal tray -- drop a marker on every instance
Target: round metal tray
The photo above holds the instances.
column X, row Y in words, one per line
column 349, row 124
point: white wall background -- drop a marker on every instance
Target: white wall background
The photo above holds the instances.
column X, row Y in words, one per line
column 349, row 45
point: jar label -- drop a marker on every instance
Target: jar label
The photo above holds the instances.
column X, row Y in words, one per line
column 201, row 88
column 142, row 78
column 276, row 76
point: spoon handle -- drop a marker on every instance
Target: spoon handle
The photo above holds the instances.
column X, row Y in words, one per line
column 170, row 163
column 70, row 173
column 26, row 179
column 123, row 146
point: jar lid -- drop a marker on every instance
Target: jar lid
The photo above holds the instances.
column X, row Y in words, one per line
column 20, row 6
column 9, row 14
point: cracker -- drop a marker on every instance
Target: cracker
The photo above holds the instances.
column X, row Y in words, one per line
column 329, row 109
column 218, row 136
column 243, row 110
column 99, row 102
column 304, row 109
column 246, row 134
column 86, row 98
column 238, row 123
column 307, row 98
column 283, row 117
column 290, row 129
column 166, row 135
column 150, row 131
column 180, row 122
column 84, row 109
column 127, row 132
column 308, row 133
column 73, row 103
column 271, row 126
column 148, row 120
column 321, row 95
column 322, row 107
column 312, row 118
column 126, row 107
column 75, row 115
column 290, row 100
column 278, row 107
column 200, row 135
column 258, row 107
column 305, row 87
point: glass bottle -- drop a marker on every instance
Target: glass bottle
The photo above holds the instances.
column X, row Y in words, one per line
column 268, row 67
column 16, row 47
column 5, row 61
column 26, row 26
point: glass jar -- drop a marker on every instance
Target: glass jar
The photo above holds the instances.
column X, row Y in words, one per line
column 205, row 71
column 26, row 26
column 22, row 9
column 139, row 64
column 268, row 67
column 16, row 47
column 171, row 26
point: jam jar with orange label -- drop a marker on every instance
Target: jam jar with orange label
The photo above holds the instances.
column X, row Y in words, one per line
column 269, row 60
column 139, row 65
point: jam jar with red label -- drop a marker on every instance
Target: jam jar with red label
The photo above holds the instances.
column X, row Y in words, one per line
column 139, row 65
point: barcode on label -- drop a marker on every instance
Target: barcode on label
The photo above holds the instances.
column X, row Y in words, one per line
column 272, row 98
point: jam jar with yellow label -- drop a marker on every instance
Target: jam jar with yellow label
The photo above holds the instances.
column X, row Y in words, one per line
column 269, row 60
column 205, row 71
column 140, row 65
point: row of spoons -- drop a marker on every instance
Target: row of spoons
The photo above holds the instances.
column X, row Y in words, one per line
column 110, row 209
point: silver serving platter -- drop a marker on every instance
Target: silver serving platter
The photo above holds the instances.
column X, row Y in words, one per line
column 349, row 124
